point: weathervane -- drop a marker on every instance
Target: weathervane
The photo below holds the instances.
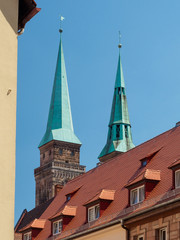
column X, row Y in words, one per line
column 119, row 45
column 61, row 19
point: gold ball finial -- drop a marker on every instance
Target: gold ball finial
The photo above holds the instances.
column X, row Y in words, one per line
column 60, row 30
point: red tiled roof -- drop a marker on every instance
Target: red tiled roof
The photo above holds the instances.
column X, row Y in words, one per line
column 28, row 217
column 115, row 174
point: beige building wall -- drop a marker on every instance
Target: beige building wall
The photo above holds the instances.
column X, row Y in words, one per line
column 115, row 232
column 8, row 83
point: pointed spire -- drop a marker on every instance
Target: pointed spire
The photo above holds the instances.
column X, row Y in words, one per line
column 119, row 130
column 60, row 125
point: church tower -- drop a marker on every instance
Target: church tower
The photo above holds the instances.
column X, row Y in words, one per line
column 119, row 137
column 59, row 147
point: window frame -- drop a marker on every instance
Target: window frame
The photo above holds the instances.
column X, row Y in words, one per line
column 161, row 230
column 59, row 227
column 159, row 235
column 141, row 236
column 175, row 177
column 94, row 212
column 28, row 234
column 137, row 189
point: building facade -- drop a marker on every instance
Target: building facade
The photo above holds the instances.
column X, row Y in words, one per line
column 13, row 16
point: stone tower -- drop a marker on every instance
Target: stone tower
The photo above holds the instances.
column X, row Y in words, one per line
column 119, row 137
column 59, row 147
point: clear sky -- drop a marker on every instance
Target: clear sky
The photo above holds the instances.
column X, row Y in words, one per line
column 151, row 63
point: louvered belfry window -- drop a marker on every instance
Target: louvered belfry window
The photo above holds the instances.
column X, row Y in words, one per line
column 177, row 178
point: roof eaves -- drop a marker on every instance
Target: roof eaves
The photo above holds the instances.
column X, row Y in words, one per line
column 27, row 10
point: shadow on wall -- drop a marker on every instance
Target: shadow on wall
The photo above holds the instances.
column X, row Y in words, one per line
column 9, row 9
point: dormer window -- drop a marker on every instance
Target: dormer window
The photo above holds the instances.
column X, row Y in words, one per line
column 140, row 187
column 137, row 195
column 175, row 167
column 177, row 179
column 96, row 206
column 27, row 236
column 68, row 197
column 93, row 213
column 144, row 162
column 57, row 227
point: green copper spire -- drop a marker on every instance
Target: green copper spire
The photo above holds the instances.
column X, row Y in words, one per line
column 119, row 133
column 60, row 125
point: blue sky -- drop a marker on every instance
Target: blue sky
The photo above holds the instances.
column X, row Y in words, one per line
column 151, row 64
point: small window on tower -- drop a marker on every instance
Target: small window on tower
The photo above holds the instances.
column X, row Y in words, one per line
column 117, row 131
column 119, row 91
column 126, row 131
column 72, row 153
column 49, row 152
column 43, row 155
column 110, row 133
column 60, row 151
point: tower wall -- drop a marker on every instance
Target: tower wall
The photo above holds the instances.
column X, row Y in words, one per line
column 59, row 163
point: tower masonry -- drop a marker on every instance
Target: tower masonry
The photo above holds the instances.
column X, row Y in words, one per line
column 59, row 147
column 119, row 137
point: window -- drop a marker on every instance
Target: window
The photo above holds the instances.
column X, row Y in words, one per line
column 43, row 155
column 144, row 163
column 137, row 195
column 57, row 227
column 72, row 153
column 126, row 131
column 177, row 179
column 110, row 132
column 60, row 151
column 161, row 234
column 27, row 236
column 49, row 152
column 93, row 213
column 117, row 131
column 68, row 197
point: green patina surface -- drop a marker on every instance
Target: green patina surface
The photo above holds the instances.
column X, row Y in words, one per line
column 60, row 125
column 119, row 129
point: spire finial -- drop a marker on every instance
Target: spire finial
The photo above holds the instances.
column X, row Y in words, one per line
column 119, row 45
column 61, row 19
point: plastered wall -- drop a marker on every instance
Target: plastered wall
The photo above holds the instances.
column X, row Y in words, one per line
column 8, row 83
